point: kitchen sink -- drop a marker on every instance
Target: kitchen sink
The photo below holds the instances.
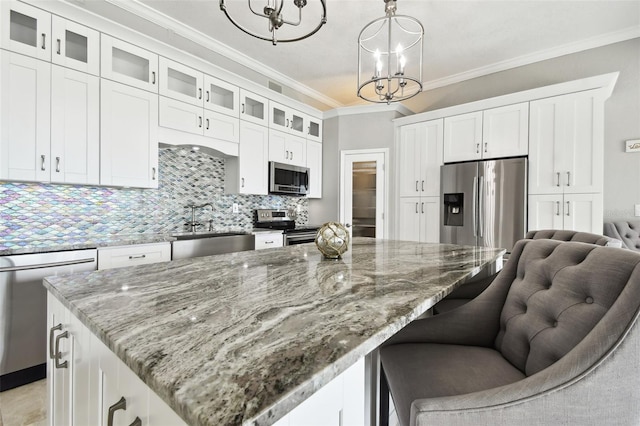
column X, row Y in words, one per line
column 196, row 244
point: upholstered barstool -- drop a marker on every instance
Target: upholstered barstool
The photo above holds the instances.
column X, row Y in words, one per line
column 626, row 231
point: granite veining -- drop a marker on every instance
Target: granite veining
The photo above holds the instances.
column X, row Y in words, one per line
column 243, row 338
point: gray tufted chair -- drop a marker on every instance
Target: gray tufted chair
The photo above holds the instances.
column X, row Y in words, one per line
column 553, row 340
column 472, row 289
column 626, row 231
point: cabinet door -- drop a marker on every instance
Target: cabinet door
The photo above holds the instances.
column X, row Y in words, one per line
column 221, row 126
column 25, row 84
column 545, row 212
column 582, row 170
column 409, row 219
column 128, row 64
column 180, row 82
column 297, row 149
column 409, row 159
column 75, row 46
column 277, row 147
column 278, row 117
column 253, row 159
column 430, row 220
column 546, row 130
column 297, row 123
column 75, row 128
column 505, row 131
column 181, row 116
column 129, row 136
column 583, row 212
column 25, row 29
column 84, row 386
column 463, row 137
column 58, row 385
column 222, row 97
column 253, row 108
column 431, row 158
column 314, row 163
column 314, row 129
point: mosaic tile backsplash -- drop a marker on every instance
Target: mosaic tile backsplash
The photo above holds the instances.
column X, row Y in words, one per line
column 32, row 211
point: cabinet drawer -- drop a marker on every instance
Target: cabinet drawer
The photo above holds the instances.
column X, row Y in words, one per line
column 268, row 240
column 118, row 257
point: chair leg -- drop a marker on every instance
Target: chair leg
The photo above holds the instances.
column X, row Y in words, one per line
column 383, row 409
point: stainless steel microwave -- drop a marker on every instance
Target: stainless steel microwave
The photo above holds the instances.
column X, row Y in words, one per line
column 288, row 179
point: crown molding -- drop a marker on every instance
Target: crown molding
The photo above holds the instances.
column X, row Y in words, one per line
column 543, row 55
column 145, row 12
column 367, row 109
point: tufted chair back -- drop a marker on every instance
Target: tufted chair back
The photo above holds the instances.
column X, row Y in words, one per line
column 580, row 237
column 626, row 231
column 559, row 293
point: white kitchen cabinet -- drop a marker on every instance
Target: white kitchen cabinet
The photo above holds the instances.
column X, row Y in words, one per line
column 287, row 148
column 75, row 46
column 314, row 129
column 419, row 219
column 253, row 108
column 25, row 117
column 265, row 240
column 577, row 212
column 138, row 254
column 128, row 64
column 420, row 158
column 180, row 82
column 314, row 164
column 75, row 127
column 25, row 29
column 287, row 119
column 129, row 136
column 221, row 97
column 248, row 172
column 566, row 144
column 492, row 133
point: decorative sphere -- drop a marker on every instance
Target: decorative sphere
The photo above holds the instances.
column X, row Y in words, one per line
column 332, row 240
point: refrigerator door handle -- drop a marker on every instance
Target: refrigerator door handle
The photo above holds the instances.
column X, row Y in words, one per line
column 474, row 199
column 481, row 206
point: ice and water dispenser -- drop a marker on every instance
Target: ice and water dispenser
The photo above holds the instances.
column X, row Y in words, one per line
column 453, row 209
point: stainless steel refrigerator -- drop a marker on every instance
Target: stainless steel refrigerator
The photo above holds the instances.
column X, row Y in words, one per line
column 484, row 203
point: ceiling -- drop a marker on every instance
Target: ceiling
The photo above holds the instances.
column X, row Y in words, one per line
column 463, row 39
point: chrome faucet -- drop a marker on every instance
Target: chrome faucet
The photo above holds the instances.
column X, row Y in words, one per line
column 192, row 224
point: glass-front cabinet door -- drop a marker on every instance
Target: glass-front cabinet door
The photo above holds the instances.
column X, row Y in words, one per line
column 25, row 29
column 128, row 64
column 220, row 96
column 75, row 46
column 314, row 129
column 180, row 82
column 253, row 108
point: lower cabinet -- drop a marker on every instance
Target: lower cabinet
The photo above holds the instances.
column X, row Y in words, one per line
column 419, row 219
column 89, row 385
column 576, row 212
column 139, row 254
column 340, row 402
column 265, row 240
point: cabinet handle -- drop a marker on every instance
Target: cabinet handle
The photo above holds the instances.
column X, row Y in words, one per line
column 558, row 178
column 557, row 208
column 58, row 50
column 568, row 207
column 200, row 121
column 485, row 146
column 309, row 130
column 153, row 173
column 422, row 186
column 120, row 405
column 64, row 335
column 242, row 183
column 268, row 242
column 44, row 41
column 42, row 157
column 287, row 123
column 57, row 164
column 416, row 186
column 139, row 256
column 207, row 126
column 416, row 207
column 568, row 178
column 243, row 108
column 199, row 93
column 291, row 155
column 52, row 353
column 136, row 422
column 153, row 77
column 207, row 96
column 286, row 155
column 422, row 208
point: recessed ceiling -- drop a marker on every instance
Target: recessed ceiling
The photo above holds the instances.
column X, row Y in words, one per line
column 463, row 39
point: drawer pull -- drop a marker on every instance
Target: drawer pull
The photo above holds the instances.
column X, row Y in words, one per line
column 138, row 256
column 120, row 405
column 269, row 242
column 58, row 364
column 52, row 353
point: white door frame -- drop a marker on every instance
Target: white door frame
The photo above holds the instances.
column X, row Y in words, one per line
column 385, row 188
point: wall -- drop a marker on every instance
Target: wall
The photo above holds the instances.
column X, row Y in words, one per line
column 622, row 110
column 40, row 211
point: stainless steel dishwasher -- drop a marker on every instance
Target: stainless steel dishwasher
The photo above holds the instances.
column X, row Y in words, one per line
column 23, row 310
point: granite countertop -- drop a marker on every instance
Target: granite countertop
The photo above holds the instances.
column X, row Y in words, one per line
column 243, row 338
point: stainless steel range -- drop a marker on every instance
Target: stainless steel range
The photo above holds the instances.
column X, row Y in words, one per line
column 280, row 219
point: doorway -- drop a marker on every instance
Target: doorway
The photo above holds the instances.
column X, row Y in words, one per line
column 363, row 190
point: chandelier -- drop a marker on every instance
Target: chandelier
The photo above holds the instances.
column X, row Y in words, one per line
column 390, row 57
column 274, row 12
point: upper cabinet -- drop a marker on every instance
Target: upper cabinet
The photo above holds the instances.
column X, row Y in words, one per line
column 492, row 133
column 314, row 163
column 314, row 129
column 75, row 46
column 25, row 29
column 288, row 149
column 248, row 172
column 287, row 119
column 128, row 64
column 253, row 108
column 222, row 97
column 420, row 157
column 180, row 82
column 566, row 139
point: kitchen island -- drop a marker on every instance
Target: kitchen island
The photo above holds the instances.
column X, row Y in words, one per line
column 243, row 338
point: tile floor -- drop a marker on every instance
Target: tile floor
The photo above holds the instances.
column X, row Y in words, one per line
column 25, row 405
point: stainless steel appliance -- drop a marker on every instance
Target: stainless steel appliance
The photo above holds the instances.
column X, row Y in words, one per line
column 280, row 219
column 288, row 179
column 484, row 203
column 23, row 310
column 196, row 244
